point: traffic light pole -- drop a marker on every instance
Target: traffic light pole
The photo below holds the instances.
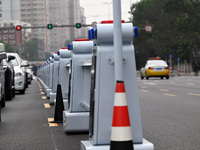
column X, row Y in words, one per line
column 54, row 26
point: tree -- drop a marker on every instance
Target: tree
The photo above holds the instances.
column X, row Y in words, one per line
column 175, row 29
column 8, row 47
column 31, row 49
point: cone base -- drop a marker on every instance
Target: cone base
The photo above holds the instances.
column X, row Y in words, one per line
column 56, row 121
column 126, row 145
column 87, row 145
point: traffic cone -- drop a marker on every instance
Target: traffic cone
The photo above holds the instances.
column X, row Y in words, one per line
column 59, row 108
column 121, row 134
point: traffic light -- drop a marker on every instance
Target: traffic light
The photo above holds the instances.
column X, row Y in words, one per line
column 49, row 26
column 78, row 25
column 18, row 27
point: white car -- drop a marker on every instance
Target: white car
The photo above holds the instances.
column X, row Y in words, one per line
column 155, row 68
column 20, row 74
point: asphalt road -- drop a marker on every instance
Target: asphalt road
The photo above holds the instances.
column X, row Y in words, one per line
column 25, row 125
column 169, row 110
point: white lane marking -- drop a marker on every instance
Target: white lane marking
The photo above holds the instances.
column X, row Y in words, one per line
column 193, row 94
column 144, row 90
column 151, row 83
column 167, row 94
column 144, row 87
column 190, row 83
column 164, row 90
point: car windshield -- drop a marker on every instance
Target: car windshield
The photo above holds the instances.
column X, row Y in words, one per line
column 157, row 63
column 15, row 62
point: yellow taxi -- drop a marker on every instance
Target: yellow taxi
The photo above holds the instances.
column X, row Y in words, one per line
column 155, row 68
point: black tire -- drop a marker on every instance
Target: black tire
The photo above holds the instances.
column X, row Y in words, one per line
column 13, row 92
column 8, row 93
column 22, row 91
column 0, row 112
column 161, row 77
column 141, row 77
column 8, row 85
column 3, row 102
column 147, row 78
column 167, row 77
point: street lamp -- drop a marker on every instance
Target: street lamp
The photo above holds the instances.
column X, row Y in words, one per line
column 108, row 3
column 95, row 16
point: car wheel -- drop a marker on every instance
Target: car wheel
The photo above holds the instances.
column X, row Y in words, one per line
column 141, row 76
column 13, row 92
column 3, row 102
column 0, row 112
column 147, row 78
column 161, row 77
column 22, row 91
column 8, row 94
column 8, row 91
column 167, row 77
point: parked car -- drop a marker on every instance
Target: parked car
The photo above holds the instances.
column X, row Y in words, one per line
column 20, row 73
column 25, row 67
column 30, row 74
column 9, row 78
column 155, row 68
column 2, row 79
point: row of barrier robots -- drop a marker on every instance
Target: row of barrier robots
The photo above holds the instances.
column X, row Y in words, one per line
column 84, row 75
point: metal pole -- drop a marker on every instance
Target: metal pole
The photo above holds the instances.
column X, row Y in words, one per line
column 178, row 64
column 117, row 31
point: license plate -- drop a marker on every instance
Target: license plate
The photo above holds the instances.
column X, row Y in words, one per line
column 158, row 68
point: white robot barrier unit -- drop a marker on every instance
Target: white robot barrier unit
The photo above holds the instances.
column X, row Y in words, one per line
column 54, row 78
column 63, row 70
column 103, row 89
column 76, row 118
column 49, row 89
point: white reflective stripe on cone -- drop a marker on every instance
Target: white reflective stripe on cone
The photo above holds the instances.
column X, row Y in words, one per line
column 121, row 134
column 120, row 99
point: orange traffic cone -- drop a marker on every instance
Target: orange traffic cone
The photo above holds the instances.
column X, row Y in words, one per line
column 121, row 134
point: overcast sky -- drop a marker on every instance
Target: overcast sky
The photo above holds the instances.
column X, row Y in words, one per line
column 96, row 10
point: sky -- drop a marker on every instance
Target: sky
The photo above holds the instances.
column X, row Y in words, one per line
column 98, row 10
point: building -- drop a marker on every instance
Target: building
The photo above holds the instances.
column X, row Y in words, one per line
column 42, row 12
column 34, row 12
column 10, row 10
column 12, row 36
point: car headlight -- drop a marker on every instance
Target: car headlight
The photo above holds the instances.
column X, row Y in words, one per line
column 18, row 74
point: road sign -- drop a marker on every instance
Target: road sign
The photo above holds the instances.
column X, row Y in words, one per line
column 148, row 28
column 170, row 55
column 178, row 59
